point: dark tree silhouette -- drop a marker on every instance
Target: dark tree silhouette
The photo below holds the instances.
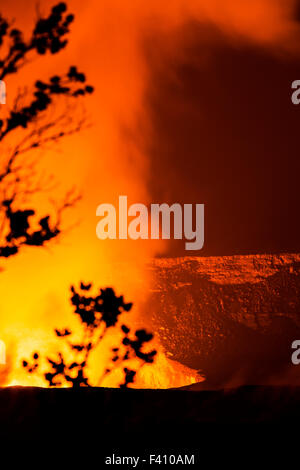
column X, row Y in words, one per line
column 37, row 118
column 97, row 314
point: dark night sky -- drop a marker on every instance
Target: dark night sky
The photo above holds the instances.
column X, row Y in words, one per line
column 225, row 133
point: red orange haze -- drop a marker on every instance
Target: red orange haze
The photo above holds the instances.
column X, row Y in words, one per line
column 108, row 159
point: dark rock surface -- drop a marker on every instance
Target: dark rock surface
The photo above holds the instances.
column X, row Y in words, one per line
column 234, row 318
column 112, row 415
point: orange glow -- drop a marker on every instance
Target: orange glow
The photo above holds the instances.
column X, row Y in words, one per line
column 104, row 161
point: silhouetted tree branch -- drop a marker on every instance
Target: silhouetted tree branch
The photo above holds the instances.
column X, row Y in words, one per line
column 97, row 314
column 48, row 35
column 36, row 119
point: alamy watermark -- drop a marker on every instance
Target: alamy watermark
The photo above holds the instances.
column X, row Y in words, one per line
column 2, row 92
column 296, row 354
column 150, row 223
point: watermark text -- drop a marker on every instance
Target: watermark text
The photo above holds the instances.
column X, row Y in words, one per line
column 152, row 223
